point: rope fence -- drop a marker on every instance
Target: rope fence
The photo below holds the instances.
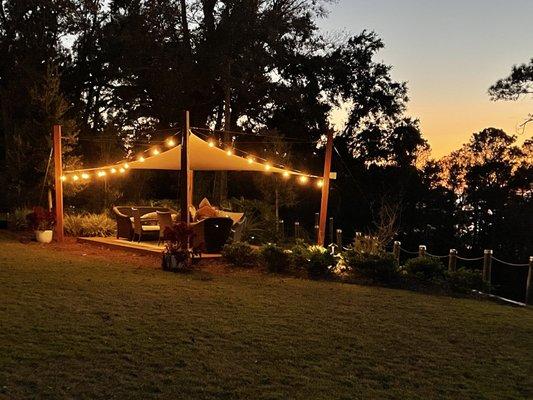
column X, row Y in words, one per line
column 509, row 264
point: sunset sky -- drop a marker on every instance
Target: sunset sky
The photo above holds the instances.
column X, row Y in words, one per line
column 449, row 52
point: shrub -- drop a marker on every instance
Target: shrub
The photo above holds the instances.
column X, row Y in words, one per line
column 89, row 225
column 425, row 268
column 379, row 267
column 299, row 255
column 464, row 280
column 275, row 258
column 320, row 262
column 40, row 219
column 17, row 219
column 241, row 254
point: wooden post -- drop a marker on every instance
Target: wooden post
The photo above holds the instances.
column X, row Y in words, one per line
column 357, row 243
column 281, row 228
column 58, row 173
column 487, row 266
column 296, row 230
column 339, row 239
column 421, row 251
column 396, row 251
column 529, row 282
column 317, row 231
column 325, row 189
column 452, row 260
column 191, row 187
column 184, row 171
column 331, row 226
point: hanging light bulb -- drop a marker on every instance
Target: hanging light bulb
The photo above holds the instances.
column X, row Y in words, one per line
column 63, row 178
column 303, row 179
column 171, row 142
column 113, row 170
column 75, row 177
column 320, row 183
column 211, row 143
column 267, row 166
column 286, row 174
column 141, row 159
column 126, row 165
column 101, row 173
column 85, row 176
column 229, row 152
column 155, row 151
column 121, row 170
column 250, row 160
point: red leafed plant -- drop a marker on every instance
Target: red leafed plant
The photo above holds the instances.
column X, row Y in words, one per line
column 178, row 252
column 40, row 219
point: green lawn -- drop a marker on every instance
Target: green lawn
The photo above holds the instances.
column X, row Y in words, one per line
column 86, row 326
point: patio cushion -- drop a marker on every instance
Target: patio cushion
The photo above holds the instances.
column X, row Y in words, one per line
column 204, row 203
column 150, row 228
column 206, row 212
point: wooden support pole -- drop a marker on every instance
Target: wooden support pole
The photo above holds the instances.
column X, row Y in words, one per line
column 452, row 261
column 184, row 171
column 529, row 282
column 325, row 189
column 487, row 267
column 421, row 251
column 191, row 187
column 396, row 251
column 58, row 183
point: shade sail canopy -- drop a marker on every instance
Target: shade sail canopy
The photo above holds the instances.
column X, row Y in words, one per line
column 204, row 157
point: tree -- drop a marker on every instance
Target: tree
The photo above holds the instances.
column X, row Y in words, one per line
column 518, row 84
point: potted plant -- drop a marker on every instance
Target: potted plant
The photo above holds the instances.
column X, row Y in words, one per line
column 42, row 222
column 178, row 254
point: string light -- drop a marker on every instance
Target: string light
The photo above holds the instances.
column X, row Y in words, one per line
column 171, row 142
column 101, row 173
column 75, row 177
column 63, row 178
column 121, row 170
column 211, row 143
column 303, row 179
column 320, row 183
column 126, row 165
column 113, row 170
column 286, row 174
column 141, row 159
column 250, row 160
column 229, row 152
column 268, row 166
column 155, row 152
column 85, row 175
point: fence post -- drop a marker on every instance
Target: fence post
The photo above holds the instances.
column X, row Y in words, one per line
column 487, row 264
column 296, row 230
column 281, row 228
column 357, row 239
column 452, row 260
column 317, row 226
column 396, row 251
column 331, row 234
column 421, row 251
column 529, row 281
column 339, row 239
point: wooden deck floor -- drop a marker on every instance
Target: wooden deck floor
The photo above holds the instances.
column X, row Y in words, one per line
column 149, row 248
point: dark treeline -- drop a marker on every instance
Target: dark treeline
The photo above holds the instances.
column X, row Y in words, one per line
column 115, row 73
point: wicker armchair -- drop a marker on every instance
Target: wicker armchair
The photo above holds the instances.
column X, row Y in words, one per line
column 124, row 218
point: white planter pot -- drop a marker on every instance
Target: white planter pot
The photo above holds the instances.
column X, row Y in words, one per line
column 44, row 236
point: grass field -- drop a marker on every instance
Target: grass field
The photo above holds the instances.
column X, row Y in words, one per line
column 82, row 323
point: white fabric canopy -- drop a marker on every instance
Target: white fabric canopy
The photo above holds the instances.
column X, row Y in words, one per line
column 204, row 158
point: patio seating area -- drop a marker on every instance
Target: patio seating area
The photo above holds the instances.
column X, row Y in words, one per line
column 212, row 227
